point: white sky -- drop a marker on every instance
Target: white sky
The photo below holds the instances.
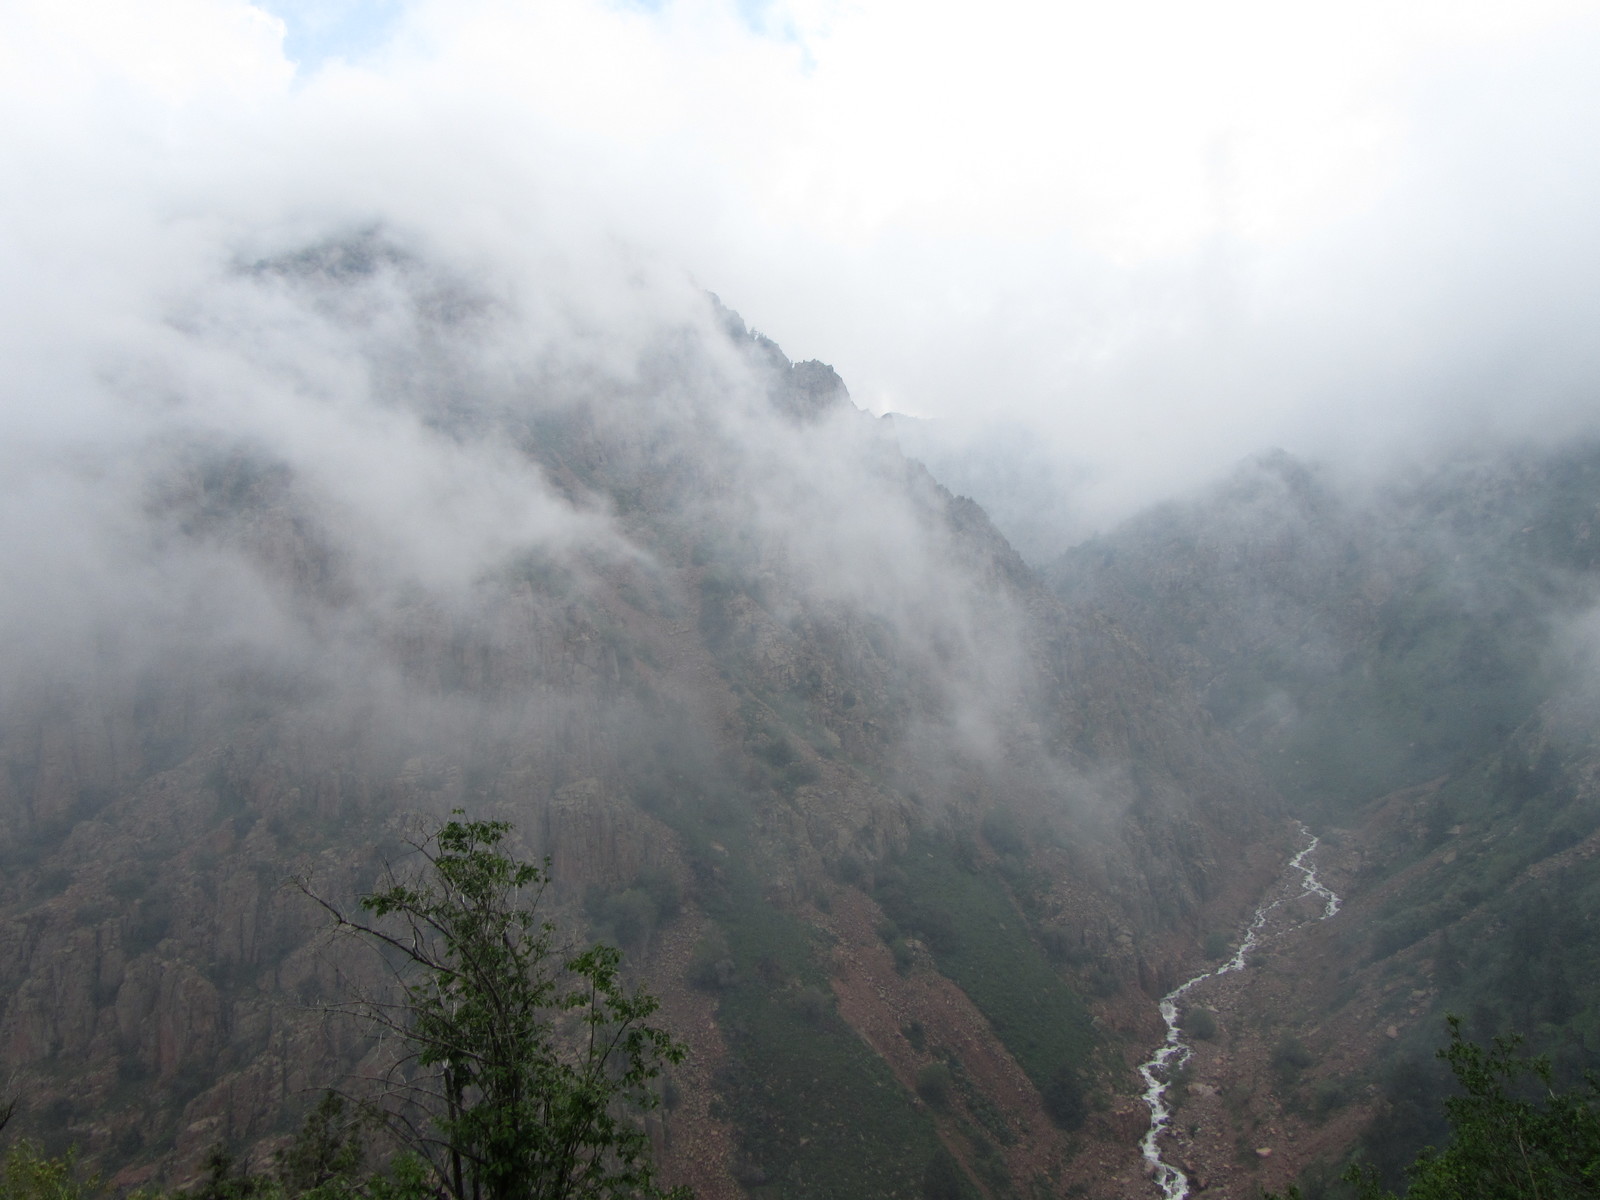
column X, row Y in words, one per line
column 1161, row 234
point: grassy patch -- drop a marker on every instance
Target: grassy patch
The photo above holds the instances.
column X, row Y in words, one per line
column 817, row 1113
column 982, row 943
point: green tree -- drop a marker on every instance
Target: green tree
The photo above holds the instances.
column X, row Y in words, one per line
column 1508, row 1140
column 1513, row 1136
column 520, row 1069
column 27, row 1174
column 226, row 1179
column 324, row 1159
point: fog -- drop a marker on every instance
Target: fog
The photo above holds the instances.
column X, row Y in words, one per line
column 336, row 263
column 410, row 405
column 1150, row 241
column 391, row 484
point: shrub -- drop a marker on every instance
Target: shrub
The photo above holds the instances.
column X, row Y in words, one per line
column 1003, row 832
column 801, row 774
column 943, row 1179
column 848, row 868
column 711, row 965
column 1064, row 1098
column 934, row 1083
column 27, row 1174
column 1289, row 1058
column 777, row 753
column 1200, row 1023
column 813, row 1005
column 1331, row 1095
column 630, row 917
column 904, row 956
column 1059, row 943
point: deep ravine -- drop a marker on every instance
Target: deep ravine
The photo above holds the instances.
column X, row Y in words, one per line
column 1157, row 1071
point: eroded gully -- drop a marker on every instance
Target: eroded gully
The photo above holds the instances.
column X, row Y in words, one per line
column 1158, row 1070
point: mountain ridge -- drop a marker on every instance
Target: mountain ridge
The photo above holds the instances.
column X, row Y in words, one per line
column 714, row 622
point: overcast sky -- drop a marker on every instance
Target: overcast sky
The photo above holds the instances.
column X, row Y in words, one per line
column 1160, row 234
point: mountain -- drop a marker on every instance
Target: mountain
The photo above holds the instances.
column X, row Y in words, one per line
column 1412, row 665
column 1021, row 482
column 910, row 836
column 906, row 841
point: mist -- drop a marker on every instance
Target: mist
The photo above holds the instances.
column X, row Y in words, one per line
column 1148, row 243
column 370, row 492
column 361, row 285
column 762, row 444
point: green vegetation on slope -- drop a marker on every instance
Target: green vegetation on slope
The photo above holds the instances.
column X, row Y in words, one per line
column 1501, row 912
column 983, row 944
column 1511, row 1134
column 817, row 1113
column 1439, row 679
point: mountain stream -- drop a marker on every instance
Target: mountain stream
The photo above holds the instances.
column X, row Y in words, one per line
column 1174, row 1052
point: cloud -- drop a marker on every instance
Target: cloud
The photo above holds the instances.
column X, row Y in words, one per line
column 1153, row 237
column 305, row 373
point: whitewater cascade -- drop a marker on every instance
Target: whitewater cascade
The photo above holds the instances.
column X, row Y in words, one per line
column 1174, row 1052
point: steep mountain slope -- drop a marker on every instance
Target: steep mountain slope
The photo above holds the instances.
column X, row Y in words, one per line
column 1413, row 666
column 372, row 538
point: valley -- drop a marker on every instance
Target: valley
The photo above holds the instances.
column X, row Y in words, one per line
column 925, row 848
column 776, row 600
column 1275, row 918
